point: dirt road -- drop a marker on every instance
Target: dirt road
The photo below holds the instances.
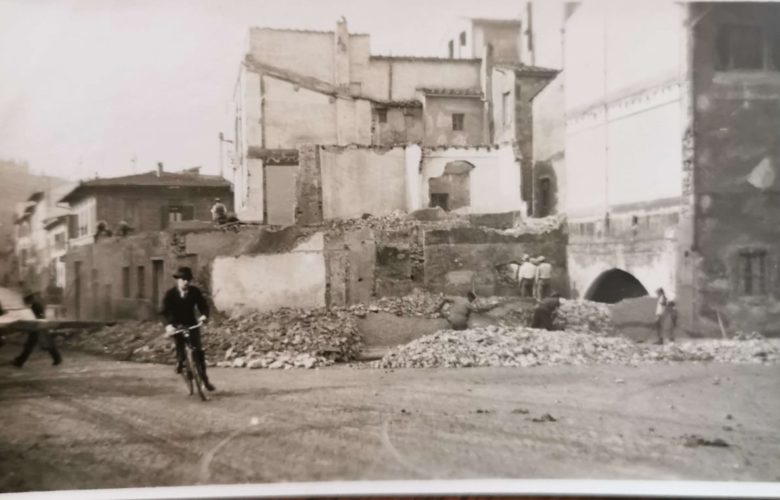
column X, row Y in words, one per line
column 96, row 423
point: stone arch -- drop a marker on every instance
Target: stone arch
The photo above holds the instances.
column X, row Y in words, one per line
column 614, row 285
column 452, row 189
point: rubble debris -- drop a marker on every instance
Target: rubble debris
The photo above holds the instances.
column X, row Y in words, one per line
column 544, row 418
column 693, row 440
column 584, row 316
column 521, row 411
column 523, row 346
column 535, row 225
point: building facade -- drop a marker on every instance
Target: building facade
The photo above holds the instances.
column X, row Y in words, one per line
column 670, row 152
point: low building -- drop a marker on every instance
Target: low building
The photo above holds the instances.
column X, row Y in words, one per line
column 146, row 202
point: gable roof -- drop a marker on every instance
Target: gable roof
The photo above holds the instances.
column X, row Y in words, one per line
column 148, row 179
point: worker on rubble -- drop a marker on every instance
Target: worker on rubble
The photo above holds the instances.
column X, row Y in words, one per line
column 664, row 309
column 543, row 276
column 179, row 306
column 545, row 312
column 33, row 301
column 219, row 212
column 526, row 275
column 460, row 310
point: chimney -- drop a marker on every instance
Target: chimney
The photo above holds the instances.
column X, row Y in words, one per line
column 159, row 169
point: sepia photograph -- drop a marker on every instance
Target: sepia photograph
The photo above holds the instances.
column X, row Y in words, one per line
column 443, row 247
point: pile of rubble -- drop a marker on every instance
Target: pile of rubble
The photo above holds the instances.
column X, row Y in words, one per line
column 535, row 225
column 522, row 346
column 584, row 316
column 278, row 339
column 418, row 304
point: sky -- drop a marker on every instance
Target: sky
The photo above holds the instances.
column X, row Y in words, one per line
column 111, row 87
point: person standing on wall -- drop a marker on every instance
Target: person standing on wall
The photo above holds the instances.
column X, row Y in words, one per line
column 527, row 276
column 178, row 309
column 34, row 302
column 543, row 276
column 219, row 213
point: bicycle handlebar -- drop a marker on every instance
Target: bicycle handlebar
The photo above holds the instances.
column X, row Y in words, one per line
column 183, row 330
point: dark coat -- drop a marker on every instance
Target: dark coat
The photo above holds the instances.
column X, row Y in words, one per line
column 180, row 311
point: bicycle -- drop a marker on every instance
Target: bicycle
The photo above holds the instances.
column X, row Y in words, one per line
column 191, row 371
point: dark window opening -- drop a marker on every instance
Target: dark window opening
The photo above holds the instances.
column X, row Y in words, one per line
column 462, row 38
column 126, row 282
column 440, row 200
column 451, row 49
column 740, row 47
column 752, row 269
column 634, row 220
column 457, row 121
column 141, row 282
column 545, row 187
column 381, row 115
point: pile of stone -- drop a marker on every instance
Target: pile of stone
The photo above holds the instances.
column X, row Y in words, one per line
column 584, row 316
column 417, row 304
column 395, row 221
column 282, row 338
column 522, row 346
column 541, row 225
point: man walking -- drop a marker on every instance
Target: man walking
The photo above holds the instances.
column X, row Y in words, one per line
column 664, row 308
column 527, row 276
column 179, row 306
column 33, row 301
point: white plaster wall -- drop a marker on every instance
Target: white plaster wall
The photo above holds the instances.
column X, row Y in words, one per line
column 252, row 208
column 494, row 183
column 409, row 75
column 358, row 181
column 645, row 155
column 653, row 270
column 586, row 167
column 270, row 281
column 301, row 52
column 413, row 162
column 252, row 109
column 295, row 115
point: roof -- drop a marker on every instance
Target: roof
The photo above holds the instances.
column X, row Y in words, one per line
column 149, row 179
column 502, row 22
column 298, row 30
column 411, row 103
column 60, row 215
column 451, row 92
column 424, row 59
column 529, row 70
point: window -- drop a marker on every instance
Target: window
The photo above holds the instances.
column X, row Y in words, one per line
column 381, row 115
column 752, row 269
column 59, row 241
column 740, row 47
column 440, row 200
column 462, row 38
column 457, row 121
column 178, row 213
column 126, row 282
column 451, row 49
column 141, row 282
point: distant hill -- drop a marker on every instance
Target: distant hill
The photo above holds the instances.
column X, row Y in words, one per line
column 17, row 183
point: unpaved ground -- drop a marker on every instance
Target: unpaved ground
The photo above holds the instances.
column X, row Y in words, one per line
column 96, row 423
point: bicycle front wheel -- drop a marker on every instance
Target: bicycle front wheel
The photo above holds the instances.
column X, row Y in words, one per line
column 197, row 376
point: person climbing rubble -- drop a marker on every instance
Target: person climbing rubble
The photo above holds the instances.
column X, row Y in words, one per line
column 526, row 277
column 460, row 310
column 545, row 312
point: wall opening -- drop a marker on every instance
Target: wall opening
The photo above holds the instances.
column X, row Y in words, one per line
column 615, row 285
column 451, row 190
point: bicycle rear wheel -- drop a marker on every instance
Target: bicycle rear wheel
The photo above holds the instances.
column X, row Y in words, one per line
column 197, row 376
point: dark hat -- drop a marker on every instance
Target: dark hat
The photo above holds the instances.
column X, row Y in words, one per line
column 184, row 273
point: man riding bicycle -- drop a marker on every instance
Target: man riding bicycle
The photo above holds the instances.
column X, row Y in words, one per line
column 179, row 306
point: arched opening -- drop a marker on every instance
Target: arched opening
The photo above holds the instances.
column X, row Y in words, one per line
column 615, row 285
